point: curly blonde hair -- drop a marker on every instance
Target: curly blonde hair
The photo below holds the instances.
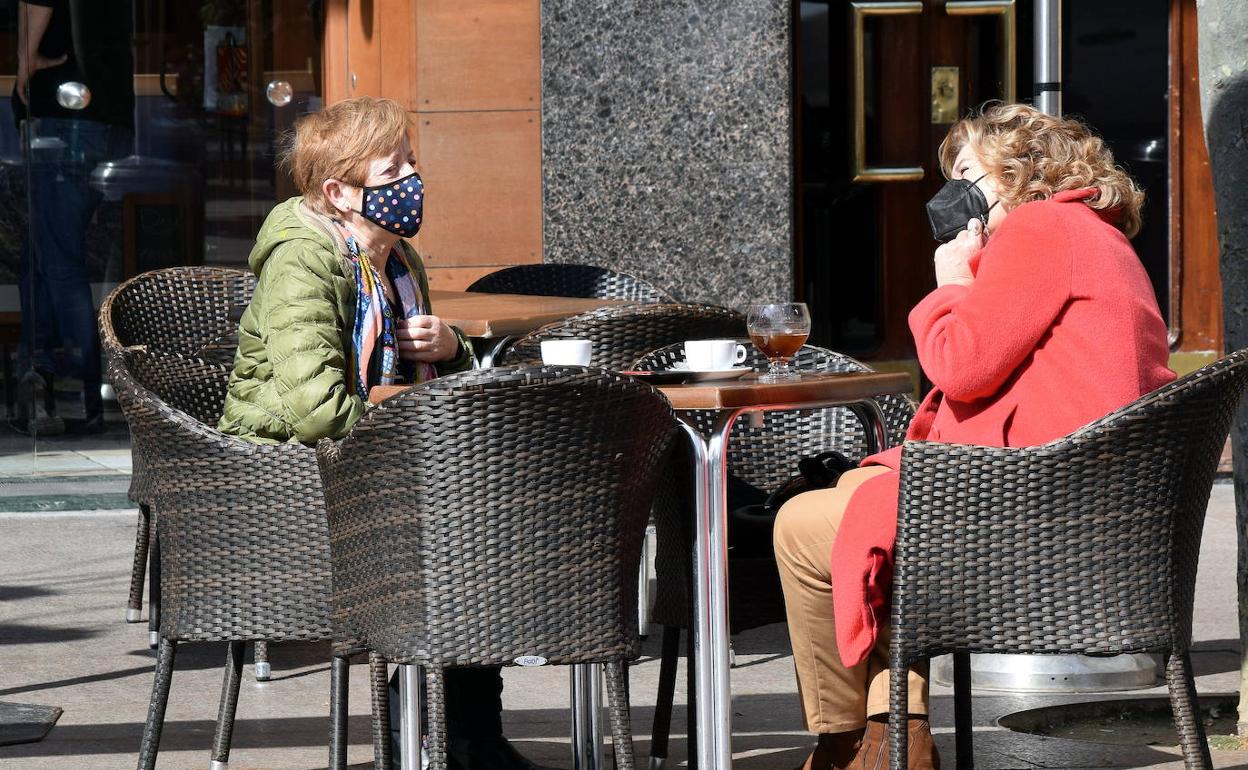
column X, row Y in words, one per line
column 339, row 141
column 1034, row 155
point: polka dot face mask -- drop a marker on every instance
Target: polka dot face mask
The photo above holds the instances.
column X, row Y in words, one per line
column 397, row 206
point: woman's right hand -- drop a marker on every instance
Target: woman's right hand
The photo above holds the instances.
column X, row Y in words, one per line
column 953, row 259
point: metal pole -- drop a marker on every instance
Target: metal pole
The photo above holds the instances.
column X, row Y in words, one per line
column 1048, row 56
column 586, row 687
column 409, row 709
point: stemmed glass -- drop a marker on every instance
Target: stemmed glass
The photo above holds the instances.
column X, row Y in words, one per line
column 778, row 331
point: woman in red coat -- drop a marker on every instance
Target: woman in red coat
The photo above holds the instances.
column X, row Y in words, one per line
column 1042, row 320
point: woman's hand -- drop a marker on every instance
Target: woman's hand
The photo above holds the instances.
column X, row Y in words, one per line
column 953, row 259
column 425, row 338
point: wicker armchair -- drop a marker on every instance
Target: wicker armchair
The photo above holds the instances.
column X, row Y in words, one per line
column 244, row 548
column 1086, row 545
column 186, row 310
column 555, row 280
column 517, row 532
column 623, row 333
column 765, row 457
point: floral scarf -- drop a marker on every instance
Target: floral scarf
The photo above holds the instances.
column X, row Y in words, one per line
column 374, row 320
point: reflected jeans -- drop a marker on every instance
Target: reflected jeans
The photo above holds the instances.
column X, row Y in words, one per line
column 56, row 301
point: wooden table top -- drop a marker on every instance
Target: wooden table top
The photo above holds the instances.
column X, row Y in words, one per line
column 479, row 314
column 813, row 388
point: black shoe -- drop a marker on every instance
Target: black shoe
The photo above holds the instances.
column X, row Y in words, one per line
column 493, row 753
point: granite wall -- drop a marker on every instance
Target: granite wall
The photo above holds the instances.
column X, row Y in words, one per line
column 667, row 144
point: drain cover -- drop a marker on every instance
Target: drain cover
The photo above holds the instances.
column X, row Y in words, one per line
column 1134, row 722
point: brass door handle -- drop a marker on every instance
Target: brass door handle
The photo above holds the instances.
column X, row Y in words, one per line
column 859, row 170
column 1008, row 43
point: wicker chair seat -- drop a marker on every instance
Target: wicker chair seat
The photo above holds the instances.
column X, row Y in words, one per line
column 1086, row 545
column 517, row 533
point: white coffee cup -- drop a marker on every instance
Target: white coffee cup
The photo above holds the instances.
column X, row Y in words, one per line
column 713, row 355
column 566, row 352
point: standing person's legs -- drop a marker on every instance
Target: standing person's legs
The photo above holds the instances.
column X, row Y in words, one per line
column 474, row 722
column 836, row 699
column 62, row 203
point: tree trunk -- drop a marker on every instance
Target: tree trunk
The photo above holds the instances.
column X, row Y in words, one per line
column 1223, row 30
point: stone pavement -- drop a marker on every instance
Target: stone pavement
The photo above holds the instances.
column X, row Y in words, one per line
column 63, row 578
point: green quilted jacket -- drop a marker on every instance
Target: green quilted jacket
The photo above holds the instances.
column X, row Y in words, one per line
column 289, row 380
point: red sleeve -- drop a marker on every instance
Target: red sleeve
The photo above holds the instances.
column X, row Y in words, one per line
column 971, row 339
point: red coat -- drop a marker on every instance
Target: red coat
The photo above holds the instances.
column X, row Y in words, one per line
column 1059, row 328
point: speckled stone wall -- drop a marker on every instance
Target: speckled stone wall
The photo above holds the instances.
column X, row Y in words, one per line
column 666, row 143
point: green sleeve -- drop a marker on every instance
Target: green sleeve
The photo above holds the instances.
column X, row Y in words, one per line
column 304, row 340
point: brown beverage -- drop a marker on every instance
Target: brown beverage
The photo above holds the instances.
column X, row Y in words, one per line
column 778, row 345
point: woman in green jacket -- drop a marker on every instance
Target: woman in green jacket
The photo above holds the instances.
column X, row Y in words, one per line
column 342, row 305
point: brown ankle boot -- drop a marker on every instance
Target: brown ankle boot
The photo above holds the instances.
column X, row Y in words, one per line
column 835, row 751
column 873, row 755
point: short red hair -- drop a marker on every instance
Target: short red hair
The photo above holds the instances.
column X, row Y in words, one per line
column 339, row 142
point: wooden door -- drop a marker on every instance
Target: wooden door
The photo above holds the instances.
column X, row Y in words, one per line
column 879, row 84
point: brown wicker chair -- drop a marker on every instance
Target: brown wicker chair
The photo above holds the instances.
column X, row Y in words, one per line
column 517, row 533
column 186, row 310
column 568, row 280
column 623, row 333
column 244, row 547
column 765, row 457
column 1085, row 545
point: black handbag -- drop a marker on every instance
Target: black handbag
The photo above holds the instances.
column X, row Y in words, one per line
column 752, row 512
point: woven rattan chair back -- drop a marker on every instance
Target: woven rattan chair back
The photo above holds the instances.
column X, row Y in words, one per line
column 553, row 280
column 1087, row 545
column 496, row 514
column 188, row 310
column 244, row 545
column 623, row 333
column 512, row 528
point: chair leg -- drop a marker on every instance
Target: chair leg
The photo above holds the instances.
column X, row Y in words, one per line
column 962, row 721
column 339, row 683
column 1186, row 709
column 898, row 712
column 229, row 706
column 260, row 666
column 662, row 728
column 691, row 702
column 153, row 586
column 156, row 709
column 138, row 570
column 435, row 714
column 621, row 719
column 379, row 678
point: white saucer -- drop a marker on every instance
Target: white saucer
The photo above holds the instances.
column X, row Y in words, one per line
column 710, row 374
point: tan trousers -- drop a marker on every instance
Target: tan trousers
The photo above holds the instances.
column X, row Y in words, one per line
column 834, row 698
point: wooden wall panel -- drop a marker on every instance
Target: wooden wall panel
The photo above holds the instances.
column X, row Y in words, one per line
column 363, row 48
column 1199, row 280
column 456, row 278
column 398, row 52
column 483, row 176
column 478, row 55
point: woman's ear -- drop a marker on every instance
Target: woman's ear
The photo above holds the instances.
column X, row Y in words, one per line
column 340, row 195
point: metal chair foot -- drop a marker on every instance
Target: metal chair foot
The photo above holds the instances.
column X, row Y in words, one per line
column 133, row 616
column 656, row 763
column 215, row 765
column 263, row 672
column 153, row 639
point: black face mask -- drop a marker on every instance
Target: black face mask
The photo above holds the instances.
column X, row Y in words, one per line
column 957, row 203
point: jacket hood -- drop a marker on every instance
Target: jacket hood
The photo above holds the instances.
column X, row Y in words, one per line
column 292, row 220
